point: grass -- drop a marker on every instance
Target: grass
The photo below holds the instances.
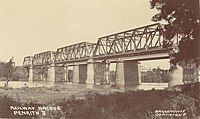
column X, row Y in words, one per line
column 45, row 95
column 79, row 103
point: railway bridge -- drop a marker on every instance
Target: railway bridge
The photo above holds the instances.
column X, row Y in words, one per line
column 91, row 61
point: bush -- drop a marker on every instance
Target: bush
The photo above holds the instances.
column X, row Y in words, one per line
column 120, row 105
column 116, row 106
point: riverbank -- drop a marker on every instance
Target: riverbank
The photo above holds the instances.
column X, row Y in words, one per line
column 79, row 103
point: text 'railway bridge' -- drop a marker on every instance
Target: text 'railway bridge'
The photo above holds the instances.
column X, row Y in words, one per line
column 91, row 61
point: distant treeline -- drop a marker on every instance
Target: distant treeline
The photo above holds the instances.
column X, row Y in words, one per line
column 156, row 75
column 19, row 73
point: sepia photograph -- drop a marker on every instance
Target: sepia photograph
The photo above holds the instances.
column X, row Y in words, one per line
column 99, row 59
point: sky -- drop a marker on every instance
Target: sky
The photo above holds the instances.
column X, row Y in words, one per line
column 28, row 27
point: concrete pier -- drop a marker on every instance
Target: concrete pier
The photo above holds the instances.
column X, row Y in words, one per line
column 101, row 71
column 75, row 78
column 51, row 73
column 90, row 72
column 82, row 73
column 107, row 72
column 120, row 80
column 132, row 73
column 128, row 73
column 66, row 73
column 30, row 75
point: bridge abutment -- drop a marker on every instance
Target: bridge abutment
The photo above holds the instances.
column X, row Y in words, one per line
column 186, row 73
column 177, row 77
column 190, row 73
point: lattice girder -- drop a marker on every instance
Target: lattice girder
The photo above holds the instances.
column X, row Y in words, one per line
column 73, row 52
column 143, row 38
column 138, row 41
column 44, row 58
column 27, row 61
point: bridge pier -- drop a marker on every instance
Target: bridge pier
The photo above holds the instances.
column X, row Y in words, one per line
column 127, row 73
column 132, row 73
column 79, row 73
column 82, row 73
column 101, row 71
column 36, row 75
column 51, row 76
column 90, row 72
column 59, row 73
column 30, row 74
column 120, row 80
column 75, row 78
column 66, row 73
column 107, row 72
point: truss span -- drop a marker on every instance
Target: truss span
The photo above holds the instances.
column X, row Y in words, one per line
column 147, row 39
column 79, row 51
column 144, row 40
column 44, row 58
column 27, row 61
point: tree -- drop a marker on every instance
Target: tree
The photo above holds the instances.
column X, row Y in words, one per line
column 8, row 70
column 20, row 73
column 182, row 17
column 156, row 75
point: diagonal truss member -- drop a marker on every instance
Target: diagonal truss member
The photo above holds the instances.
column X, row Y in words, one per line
column 139, row 39
column 44, row 58
column 77, row 51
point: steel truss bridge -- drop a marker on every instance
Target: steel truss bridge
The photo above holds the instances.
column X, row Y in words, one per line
column 146, row 40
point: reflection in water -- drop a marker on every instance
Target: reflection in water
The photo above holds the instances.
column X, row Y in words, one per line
column 143, row 86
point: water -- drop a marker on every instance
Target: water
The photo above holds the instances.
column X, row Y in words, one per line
column 142, row 86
